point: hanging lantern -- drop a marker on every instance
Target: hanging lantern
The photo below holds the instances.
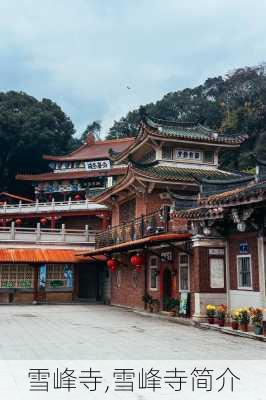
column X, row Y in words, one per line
column 77, row 197
column 112, row 264
column 18, row 222
column 137, row 261
column 43, row 221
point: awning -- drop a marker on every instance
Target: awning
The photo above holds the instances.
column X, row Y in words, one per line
column 150, row 240
column 43, row 256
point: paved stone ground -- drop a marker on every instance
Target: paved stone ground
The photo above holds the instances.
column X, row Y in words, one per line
column 102, row 332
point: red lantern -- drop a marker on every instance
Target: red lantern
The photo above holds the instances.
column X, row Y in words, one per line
column 18, row 222
column 137, row 261
column 112, row 264
column 43, row 221
column 77, row 197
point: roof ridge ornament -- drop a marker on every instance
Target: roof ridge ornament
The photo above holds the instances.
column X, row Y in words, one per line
column 90, row 139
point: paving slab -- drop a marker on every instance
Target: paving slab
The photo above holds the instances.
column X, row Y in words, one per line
column 94, row 332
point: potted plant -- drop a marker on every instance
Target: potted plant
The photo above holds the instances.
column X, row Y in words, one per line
column 221, row 314
column 211, row 311
column 174, row 306
column 156, row 305
column 171, row 305
column 244, row 318
column 148, row 301
column 257, row 320
column 235, row 319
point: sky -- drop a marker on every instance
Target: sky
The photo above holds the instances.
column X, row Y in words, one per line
column 84, row 54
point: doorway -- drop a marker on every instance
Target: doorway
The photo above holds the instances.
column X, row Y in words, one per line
column 167, row 287
column 91, row 282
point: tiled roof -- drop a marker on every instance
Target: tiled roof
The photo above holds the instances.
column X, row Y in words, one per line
column 214, row 206
column 199, row 212
column 42, row 256
column 164, row 237
column 191, row 131
column 193, row 175
column 57, row 176
column 92, row 151
column 238, row 194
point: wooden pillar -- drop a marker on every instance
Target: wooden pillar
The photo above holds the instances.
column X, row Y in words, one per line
column 36, row 282
column 105, row 222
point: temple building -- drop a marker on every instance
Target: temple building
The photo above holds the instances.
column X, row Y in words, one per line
column 40, row 238
column 81, row 174
column 163, row 226
column 155, row 255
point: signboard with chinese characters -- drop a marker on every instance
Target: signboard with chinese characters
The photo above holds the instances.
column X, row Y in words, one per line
column 217, row 273
column 97, row 165
column 243, row 248
column 183, row 305
column 167, row 255
column 216, row 252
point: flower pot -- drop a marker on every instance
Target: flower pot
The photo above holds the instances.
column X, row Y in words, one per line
column 258, row 330
column 211, row 320
column 235, row 325
column 173, row 313
column 244, row 326
column 221, row 322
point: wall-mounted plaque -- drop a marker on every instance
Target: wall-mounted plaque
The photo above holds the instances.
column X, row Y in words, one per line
column 216, row 252
column 243, row 248
column 217, row 273
column 96, row 165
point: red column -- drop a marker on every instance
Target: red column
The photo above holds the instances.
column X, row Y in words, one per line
column 53, row 221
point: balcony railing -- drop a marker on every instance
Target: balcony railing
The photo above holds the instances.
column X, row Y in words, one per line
column 51, row 236
column 148, row 225
column 38, row 207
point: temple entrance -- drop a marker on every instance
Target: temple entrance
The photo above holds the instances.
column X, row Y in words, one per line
column 167, row 287
column 90, row 285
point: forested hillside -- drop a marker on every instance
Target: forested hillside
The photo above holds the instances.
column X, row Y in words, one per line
column 30, row 128
column 233, row 104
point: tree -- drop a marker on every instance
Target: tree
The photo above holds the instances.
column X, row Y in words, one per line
column 28, row 129
column 95, row 127
column 234, row 104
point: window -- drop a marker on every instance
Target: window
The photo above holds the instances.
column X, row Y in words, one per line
column 150, row 156
column 153, row 273
column 208, row 157
column 183, row 273
column 167, row 153
column 16, row 276
column 59, row 276
column 244, row 275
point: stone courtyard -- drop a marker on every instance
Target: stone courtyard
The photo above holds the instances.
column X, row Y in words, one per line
column 104, row 332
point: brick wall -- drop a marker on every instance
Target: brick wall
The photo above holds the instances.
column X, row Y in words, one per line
column 139, row 205
column 124, row 291
column 234, row 251
column 127, row 211
column 60, row 297
column 200, row 272
column 126, row 294
column 21, row 297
